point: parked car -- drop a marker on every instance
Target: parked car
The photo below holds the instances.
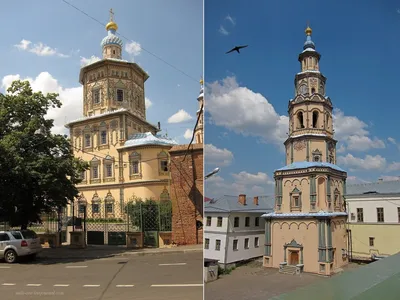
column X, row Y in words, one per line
column 19, row 243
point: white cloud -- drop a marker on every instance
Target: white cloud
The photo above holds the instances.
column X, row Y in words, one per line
column 188, row 134
column 179, row 117
column 148, row 103
column 368, row 163
column 217, row 157
column 223, row 31
column 87, row 61
column 255, row 116
column 392, row 140
column 39, row 49
column 252, row 179
column 243, row 183
column 71, row 98
column 133, row 48
column 230, row 19
column 355, row 180
column 390, row 178
column 354, row 133
column 245, row 112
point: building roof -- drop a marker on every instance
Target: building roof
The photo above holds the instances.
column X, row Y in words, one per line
column 309, row 164
column 143, row 139
column 380, row 187
column 304, row 215
column 378, row 280
column 231, row 204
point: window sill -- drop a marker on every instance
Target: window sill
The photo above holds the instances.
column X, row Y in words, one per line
column 135, row 176
column 95, row 181
column 104, row 146
column 109, row 179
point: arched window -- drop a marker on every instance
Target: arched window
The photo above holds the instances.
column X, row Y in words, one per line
column 134, row 165
column 312, row 90
column 315, row 119
column 163, row 163
column 108, row 167
column 337, row 202
column 88, row 137
column 94, row 169
column 103, row 137
column 300, row 120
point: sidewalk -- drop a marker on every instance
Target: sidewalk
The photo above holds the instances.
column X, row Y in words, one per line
column 103, row 251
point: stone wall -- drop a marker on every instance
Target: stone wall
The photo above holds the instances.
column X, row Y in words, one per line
column 187, row 179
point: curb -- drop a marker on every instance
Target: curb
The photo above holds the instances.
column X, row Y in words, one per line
column 121, row 254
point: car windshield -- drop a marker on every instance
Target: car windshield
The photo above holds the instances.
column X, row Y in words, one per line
column 29, row 234
column 17, row 235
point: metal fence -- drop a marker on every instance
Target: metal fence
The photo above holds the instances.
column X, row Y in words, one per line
column 106, row 223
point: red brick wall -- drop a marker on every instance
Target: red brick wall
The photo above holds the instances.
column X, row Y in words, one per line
column 187, row 194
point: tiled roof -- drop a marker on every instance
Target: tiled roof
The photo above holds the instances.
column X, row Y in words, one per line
column 303, row 215
column 231, row 204
column 141, row 139
column 380, row 187
column 309, row 164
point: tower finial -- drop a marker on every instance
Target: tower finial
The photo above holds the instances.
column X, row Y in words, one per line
column 201, row 81
column 111, row 15
column 111, row 25
column 308, row 30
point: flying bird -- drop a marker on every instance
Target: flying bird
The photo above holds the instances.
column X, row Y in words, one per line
column 237, row 48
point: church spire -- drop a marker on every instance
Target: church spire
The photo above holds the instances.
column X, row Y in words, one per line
column 309, row 43
column 112, row 44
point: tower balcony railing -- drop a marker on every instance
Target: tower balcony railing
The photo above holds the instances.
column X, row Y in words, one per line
column 303, row 131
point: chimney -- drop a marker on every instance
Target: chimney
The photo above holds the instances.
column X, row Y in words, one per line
column 159, row 125
column 380, row 179
column 255, row 200
column 242, row 199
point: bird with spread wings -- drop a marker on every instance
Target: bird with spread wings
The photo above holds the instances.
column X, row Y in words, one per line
column 237, row 48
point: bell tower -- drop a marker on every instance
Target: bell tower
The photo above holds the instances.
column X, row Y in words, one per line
column 307, row 232
column 310, row 112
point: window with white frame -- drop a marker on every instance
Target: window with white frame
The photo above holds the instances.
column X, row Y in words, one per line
column 235, row 245
column 246, row 243
column 208, row 222
column 247, row 222
column 206, row 243
column 219, row 222
column 256, row 242
column 257, row 221
column 217, row 245
column 236, row 222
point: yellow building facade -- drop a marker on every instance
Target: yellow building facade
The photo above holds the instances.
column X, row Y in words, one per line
column 307, row 230
column 374, row 219
column 126, row 155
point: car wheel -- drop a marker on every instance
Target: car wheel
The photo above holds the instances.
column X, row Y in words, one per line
column 10, row 256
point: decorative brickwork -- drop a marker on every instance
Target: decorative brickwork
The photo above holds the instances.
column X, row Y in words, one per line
column 187, row 179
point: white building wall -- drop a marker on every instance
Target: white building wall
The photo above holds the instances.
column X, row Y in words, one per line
column 390, row 208
column 227, row 233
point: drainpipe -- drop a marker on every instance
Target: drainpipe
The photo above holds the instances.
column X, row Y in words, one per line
column 226, row 240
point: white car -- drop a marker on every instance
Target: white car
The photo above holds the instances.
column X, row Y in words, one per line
column 18, row 243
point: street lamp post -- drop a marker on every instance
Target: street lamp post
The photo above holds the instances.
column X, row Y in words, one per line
column 212, row 173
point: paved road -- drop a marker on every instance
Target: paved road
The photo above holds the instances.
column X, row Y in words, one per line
column 163, row 276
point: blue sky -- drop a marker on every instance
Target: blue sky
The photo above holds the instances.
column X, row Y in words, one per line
column 61, row 38
column 247, row 94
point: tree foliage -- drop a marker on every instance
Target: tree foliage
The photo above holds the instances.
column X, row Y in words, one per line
column 38, row 171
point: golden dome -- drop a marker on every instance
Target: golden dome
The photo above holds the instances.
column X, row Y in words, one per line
column 112, row 25
column 201, row 81
column 308, row 30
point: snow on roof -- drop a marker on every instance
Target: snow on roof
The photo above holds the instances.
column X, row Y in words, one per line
column 309, row 164
column 147, row 138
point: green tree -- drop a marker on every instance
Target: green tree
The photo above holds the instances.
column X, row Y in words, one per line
column 38, row 171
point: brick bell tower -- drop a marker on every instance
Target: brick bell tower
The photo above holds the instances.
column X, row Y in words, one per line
column 306, row 231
